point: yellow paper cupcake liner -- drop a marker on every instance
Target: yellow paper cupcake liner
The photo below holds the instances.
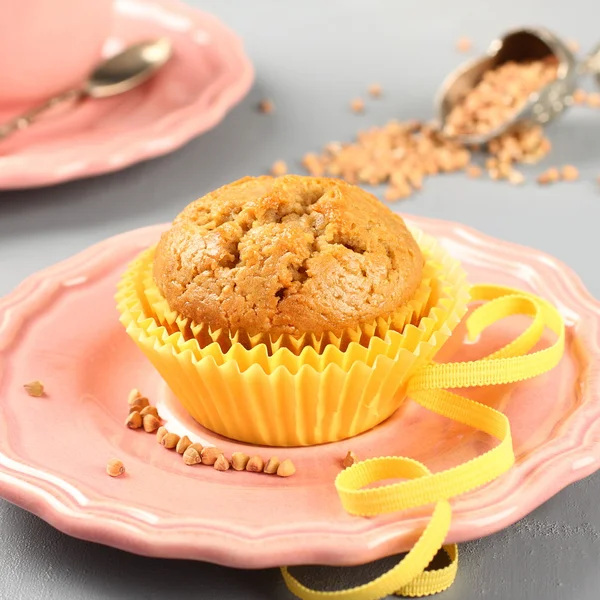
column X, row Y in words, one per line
column 275, row 396
column 426, row 294
column 141, row 299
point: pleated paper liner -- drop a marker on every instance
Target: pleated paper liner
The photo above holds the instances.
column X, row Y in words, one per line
column 362, row 334
column 288, row 399
column 140, row 296
column 428, row 291
column 135, row 308
column 412, row 312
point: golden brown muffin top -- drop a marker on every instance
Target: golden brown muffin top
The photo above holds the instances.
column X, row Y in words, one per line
column 289, row 255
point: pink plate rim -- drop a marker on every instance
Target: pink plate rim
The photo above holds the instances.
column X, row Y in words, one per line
column 572, row 454
column 173, row 130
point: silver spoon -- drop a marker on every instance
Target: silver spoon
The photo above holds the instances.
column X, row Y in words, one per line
column 116, row 75
column 518, row 45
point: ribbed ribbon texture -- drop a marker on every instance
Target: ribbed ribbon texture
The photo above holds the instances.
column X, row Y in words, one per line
column 419, row 487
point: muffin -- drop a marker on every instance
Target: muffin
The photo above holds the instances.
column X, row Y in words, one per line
column 291, row 311
column 291, row 255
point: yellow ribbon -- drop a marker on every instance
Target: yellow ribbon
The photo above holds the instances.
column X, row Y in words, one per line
column 514, row 362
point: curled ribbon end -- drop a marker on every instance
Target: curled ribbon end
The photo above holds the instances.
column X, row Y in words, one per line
column 420, row 487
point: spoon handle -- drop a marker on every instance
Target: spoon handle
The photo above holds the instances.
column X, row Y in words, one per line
column 23, row 121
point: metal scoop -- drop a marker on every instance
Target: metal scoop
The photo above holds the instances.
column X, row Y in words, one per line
column 519, row 45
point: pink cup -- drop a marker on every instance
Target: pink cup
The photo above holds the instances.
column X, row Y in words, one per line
column 48, row 46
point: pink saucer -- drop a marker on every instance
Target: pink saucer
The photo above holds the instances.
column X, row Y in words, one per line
column 208, row 74
column 61, row 327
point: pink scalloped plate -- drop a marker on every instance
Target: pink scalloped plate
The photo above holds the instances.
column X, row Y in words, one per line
column 61, row 327
column 208, row 74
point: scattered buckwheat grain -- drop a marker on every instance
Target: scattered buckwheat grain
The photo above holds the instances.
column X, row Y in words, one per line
column 375, row 90
column 580, row 96
column 150, row 410
column 516, row 177
column 35, row 389
column 169, row 440
column 357, row 105
column 473, row 171
column 150, row 423
column 569, row 173
column 464, row 44
column 593, row 100
column 160, row 434
column 134, row 420
column 221, row 464
column 255, row 465
column 286, row 468
column 272, row 465
column 279, row 168
column 266, row 106
column 183, row 444
column 210, row 455
column 115, row 467
column 239, row 460
column 549, row 176
column 349, row 459
column 192, row 457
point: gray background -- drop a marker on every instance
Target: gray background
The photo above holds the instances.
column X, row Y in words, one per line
column 312, row 58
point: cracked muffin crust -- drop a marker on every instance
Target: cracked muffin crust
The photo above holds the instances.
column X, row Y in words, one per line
column 289, row 255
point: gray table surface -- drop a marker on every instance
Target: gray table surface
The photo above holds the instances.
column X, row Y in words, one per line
column 312, row 57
